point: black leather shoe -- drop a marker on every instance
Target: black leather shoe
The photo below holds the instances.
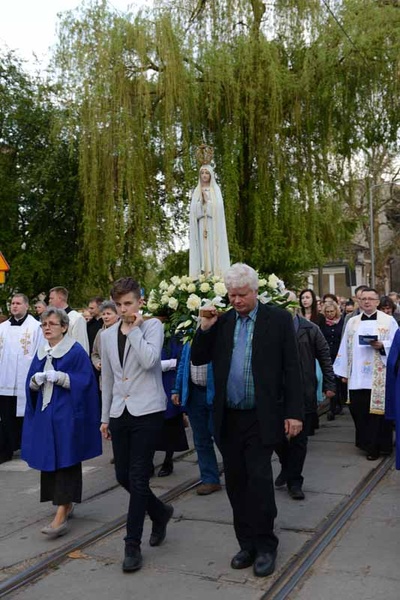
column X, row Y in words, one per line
column 280, row 481
column 133, row 559
column 243, row 559
column 264, row 564
column 5, row 458
column 373, row 457
column 166, row 469
column 159, row 530
column 296, row 493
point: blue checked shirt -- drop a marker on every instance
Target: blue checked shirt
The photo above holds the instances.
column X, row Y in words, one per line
column 249, row 400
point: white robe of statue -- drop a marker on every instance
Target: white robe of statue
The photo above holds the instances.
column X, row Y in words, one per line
column 208, row 241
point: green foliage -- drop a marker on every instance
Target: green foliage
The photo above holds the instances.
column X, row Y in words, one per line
column 287, row 108
column 96, row 172
column 39, row 197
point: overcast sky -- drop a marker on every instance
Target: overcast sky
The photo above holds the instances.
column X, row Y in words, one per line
column 29, row 26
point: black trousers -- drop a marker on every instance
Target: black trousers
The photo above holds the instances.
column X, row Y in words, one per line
column 134, row 441
column 11, row 427
column 249, row 481
column 62, row 486
column 292, row 454
column 374, row 434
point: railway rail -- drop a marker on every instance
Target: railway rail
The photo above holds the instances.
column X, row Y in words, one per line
column 282, row 586
column 53, row 559
column 288, row 578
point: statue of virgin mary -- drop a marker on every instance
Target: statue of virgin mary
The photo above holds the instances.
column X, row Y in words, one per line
column 208, row 241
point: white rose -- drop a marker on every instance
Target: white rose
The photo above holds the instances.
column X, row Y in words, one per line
column 193, row 302
column 171, row 289
column 163, row 285
column 173, row 303
column 220, row 289
column 273, row 281
column 191, row 288
column 176, row 280
column 183, row 287
column 164, row 299
column 202, row 278
column 205, row 287
column 262, row 282
column 152, row 306
column 185, row 279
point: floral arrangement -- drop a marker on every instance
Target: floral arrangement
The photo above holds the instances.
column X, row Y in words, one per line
column 179, row 300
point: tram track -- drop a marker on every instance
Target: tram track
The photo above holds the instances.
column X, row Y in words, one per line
column 300, row 565
column 52, row 560
column 288, row 578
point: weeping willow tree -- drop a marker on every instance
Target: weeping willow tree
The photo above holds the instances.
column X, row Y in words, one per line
column 287, row 92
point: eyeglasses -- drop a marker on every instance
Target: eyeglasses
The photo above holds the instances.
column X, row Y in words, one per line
column 50, row 324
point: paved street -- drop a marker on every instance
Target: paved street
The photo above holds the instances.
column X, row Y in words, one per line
column 193, row 562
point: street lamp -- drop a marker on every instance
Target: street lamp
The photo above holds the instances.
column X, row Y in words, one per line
column 371, row 224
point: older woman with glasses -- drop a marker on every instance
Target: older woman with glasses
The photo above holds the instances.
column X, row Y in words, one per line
column 61, row 424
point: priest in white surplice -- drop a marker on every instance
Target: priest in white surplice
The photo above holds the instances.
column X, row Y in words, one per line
column 58, row 297
column 19, row 339
column 361, row 360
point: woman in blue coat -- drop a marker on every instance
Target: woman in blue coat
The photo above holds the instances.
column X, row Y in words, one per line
column 392, row 398
column 61, row 423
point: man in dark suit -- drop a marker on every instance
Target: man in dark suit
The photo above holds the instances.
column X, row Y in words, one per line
column 258, row 399
column 96, row 322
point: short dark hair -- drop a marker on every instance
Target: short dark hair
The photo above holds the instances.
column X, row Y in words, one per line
column 330, row 297
column 123, row 286
column 386, row 301
column 370, row 289
column 360, row 288
column 98, row 299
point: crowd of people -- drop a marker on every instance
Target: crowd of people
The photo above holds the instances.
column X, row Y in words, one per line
column 249, row 382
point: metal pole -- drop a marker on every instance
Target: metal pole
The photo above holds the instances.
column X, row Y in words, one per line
column 372, row 237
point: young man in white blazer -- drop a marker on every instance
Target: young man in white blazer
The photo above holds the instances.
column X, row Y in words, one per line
column 133, row 408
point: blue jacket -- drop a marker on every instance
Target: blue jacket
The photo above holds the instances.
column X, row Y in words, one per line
column 67, row 431
column 183, row 378
column 172, row 349
column 392, row 400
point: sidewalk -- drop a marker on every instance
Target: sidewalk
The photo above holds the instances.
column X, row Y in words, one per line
column 363, row 563
column 194, row 561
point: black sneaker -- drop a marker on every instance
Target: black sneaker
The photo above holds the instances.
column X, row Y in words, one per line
column 133, row 559
column 280, row 481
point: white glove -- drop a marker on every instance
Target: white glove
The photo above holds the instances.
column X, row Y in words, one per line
column 53, row 376
column 168, row 365
column 39, row 378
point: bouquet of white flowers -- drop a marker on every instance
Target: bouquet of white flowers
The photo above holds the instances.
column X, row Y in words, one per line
column 179, row 300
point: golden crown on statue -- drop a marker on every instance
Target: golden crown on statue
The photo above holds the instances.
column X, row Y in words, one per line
column 204, row 154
